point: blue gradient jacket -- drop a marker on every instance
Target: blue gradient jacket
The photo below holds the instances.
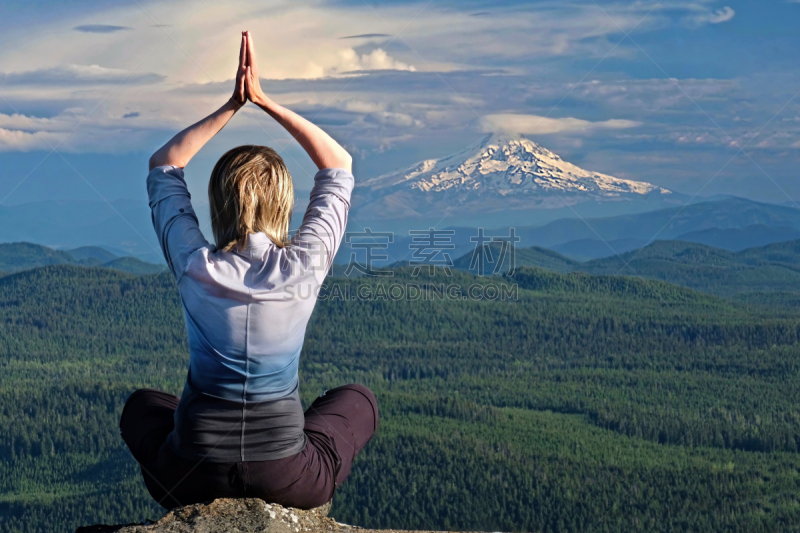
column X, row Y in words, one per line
column 246, row 311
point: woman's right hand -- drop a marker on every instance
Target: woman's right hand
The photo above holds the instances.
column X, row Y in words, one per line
column 240, row 88
column 254, row 92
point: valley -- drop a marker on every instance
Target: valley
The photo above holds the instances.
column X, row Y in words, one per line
column 590, row 402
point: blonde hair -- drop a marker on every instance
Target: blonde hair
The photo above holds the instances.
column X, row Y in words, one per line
column 250, row 191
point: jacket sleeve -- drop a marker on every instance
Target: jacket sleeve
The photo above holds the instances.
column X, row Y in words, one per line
column 174, row 220
column 325, row 220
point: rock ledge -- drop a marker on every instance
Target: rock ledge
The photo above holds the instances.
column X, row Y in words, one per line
column 241, row 515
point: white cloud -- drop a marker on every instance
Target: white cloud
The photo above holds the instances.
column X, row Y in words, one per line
column 652, row 94
column 304, row 39
column 722, row 15
column 77, row 75
column 537, row 125
column 707, row 16
column 99, row 28
column 309, row 66
column 778, row 140
column 376, row 60
column 24, row 141
column 348, row 60
column 394, row 119
column 362, row 106
column 294, row 40
column 22, row 122
column 71, row 131
column 25, row 133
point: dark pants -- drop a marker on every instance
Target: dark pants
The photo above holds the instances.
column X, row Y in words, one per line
column 337, row 426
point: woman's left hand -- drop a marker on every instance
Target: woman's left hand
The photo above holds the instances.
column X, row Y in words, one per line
column 240, row 89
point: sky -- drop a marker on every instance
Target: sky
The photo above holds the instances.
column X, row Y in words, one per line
column 699, row 97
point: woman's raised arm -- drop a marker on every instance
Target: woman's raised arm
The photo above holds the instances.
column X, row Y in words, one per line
column 323, row 150
column 183, row 146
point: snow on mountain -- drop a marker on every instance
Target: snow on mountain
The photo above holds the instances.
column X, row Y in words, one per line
column 507, row 165
column 501, row 172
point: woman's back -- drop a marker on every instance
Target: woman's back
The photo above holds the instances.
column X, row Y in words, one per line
column 246, row 314
column 244, row 319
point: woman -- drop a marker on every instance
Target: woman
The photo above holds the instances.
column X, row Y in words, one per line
column 238, row 428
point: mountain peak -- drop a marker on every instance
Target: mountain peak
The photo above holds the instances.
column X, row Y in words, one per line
column 500, row 172
column 506, row 164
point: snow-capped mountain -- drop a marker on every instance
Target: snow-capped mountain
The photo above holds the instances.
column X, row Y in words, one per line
column 502, row 172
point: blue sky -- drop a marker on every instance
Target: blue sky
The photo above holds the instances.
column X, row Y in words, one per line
column 695, row 96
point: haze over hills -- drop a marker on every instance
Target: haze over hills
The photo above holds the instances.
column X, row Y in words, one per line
column 729, row 223
column 731, row 213
column 501, row 180
column 771, row 268
column 764, row 274
column 586, row 249
column 733, row 239
column 774, row 268
column 497, row 259
column 773, row 271
column 18, row 256
column 122, row 226
column 736, row 239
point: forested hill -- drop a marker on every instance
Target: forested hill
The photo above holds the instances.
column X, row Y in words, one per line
column 497, row 259
column 18, row 256
column 774, row 268
column 571, row 403
column 766, row 274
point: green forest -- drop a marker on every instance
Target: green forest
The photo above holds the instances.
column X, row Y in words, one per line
column 762, row 269
column 580, row 402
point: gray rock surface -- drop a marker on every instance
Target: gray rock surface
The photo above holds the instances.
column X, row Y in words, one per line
column 241, row 515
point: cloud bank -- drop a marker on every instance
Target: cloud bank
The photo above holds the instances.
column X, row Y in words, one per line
column 99, row 28
column 366, row 36
column 370, row 75
column 78, row 75
column 537, row 125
